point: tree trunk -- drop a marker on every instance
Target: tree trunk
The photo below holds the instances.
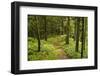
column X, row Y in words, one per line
column 82, row 45
column 67, row 31
column 62, row 26
column 75, row 24
column 38, row 33
column 85, row 24
column 45, row 28
column 77, row 34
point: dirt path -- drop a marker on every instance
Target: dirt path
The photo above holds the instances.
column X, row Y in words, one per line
column 61, row 54
column 60, row 51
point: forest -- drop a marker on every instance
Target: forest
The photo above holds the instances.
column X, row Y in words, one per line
column 57, row 37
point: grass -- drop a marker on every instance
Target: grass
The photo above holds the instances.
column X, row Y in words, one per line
column 49, row 49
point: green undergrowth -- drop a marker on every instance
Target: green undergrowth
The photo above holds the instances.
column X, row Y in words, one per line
column 72, row 53
column 49, row 49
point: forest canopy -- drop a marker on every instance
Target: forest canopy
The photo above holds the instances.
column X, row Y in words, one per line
column 57, row 37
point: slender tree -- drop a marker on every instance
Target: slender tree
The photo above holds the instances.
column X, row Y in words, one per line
column 45, row 28
column 77, row 34
column 82, row 45
column 67, row 30
column 85, row 30
column 62, row 25
column 38, row 32
column 75, row 24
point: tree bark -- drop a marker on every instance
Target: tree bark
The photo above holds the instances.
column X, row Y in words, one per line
column 77, row 35
column 75, row 24
column 82, row 45
column 85, row 30
column 62, row 26
column 38, row 33
column 67, row 31
column 45, row 28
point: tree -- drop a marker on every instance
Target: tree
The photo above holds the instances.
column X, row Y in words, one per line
column 85, row 30
column 77, row 34
column 67, row 30
column 82, row 45
column 62, row 25
column 38, row 33
column 75, row 24
column 45, row 28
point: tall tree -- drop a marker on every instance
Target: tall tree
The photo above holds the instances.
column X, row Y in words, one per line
column 45, row 28
column 38, row 32
column 62, row 25
column 82, row 45
column 75, row 24
column 67, row 30
column 85, row 30
column 77, row 34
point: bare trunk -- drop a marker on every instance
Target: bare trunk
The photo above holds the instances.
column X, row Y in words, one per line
column 77, row 34
column 82, row 45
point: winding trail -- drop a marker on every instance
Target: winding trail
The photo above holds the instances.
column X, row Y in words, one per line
column 60, row 51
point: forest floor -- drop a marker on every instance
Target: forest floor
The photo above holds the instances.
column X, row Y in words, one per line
column 53, row 49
